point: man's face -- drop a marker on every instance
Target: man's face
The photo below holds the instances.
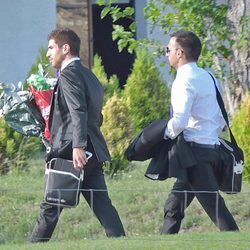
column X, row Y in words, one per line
column 172, row 52
column 55, row 54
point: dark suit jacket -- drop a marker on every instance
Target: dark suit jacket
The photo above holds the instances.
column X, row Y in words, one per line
column 75, row 117
column 172, row 160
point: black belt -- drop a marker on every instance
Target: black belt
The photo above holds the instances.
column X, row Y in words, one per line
column 199, row 145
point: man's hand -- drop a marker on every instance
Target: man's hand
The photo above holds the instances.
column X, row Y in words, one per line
column 79, row 158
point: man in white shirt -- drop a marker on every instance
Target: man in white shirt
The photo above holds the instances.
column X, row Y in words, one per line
column 196, row 113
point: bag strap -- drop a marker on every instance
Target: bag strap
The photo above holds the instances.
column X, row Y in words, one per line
column 223, row 110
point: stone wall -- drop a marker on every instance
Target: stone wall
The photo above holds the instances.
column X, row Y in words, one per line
column 74, row 14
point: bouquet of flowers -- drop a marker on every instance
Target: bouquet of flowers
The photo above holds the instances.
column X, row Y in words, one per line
column 27, row 111
column 18, row 108
column 41, row 87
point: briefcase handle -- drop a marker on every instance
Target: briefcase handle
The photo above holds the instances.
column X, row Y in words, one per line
column 49, row 165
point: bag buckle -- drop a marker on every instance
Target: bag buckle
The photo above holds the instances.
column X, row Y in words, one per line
column 238, row 167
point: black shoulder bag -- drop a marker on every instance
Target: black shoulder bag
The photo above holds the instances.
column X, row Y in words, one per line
column 63, row 183
column 229, row 173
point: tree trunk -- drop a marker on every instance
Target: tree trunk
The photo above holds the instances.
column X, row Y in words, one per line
column 240, row 61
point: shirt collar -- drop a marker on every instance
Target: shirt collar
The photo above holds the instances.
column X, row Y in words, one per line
column 186, row 66
column 66, row 63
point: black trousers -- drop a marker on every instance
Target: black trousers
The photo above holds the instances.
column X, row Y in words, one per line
column 202, row 184
column 99, row 201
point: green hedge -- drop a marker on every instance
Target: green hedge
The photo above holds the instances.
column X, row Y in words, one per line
column 118, row 130
column 241, row 131
column 110, row 85
column 144, row 99
column 16, row 149
column 146, row 93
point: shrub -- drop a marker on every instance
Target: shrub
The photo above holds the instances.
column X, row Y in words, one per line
column 110, row 85
column 241, row 131
column 118, row 130
column 146, row 93
column 15, row 149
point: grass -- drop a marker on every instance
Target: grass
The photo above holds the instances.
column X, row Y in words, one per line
column 193, row 241
column 140, row 204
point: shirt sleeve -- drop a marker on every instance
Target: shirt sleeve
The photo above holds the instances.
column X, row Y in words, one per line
column 182, row 98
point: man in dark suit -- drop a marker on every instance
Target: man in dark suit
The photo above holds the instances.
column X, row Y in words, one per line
column 75, row 121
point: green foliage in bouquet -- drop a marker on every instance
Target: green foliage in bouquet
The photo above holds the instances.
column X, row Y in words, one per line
column 39, row 80
column 15, row 149
column 146, row 93
column 111, row 85
column 44, row 61
column 241, row 131
column 118, row 130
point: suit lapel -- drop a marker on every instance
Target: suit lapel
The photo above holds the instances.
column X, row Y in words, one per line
column 52, row 104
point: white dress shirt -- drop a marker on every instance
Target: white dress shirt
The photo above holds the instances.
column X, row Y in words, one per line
column 66, row 63
column 195, row 108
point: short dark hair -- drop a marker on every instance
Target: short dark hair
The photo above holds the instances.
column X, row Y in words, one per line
column 190, row 43
column 66, row 36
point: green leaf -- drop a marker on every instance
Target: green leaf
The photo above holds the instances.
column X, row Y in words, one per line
column 104, row 12
column 101, row 2
column 122, row 43
column 116, row 16
column 129, row 11
column 133, row 26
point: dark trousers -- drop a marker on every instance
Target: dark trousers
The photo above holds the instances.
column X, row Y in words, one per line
column 99, row 201
column 202, row 184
